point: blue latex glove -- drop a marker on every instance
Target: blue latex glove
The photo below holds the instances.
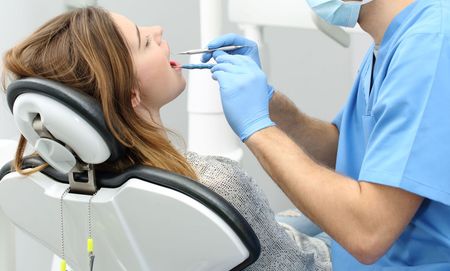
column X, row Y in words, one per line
column 250, row 50
column 245, row 93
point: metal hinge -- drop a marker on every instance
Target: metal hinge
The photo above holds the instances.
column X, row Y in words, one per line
column 82, row 179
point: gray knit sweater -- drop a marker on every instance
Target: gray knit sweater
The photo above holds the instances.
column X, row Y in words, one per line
column 279, row 250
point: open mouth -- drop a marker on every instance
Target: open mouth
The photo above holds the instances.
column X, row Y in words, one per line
column 174, row 64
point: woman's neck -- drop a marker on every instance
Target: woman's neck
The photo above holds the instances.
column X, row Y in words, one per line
column 376, row 16
column 153, row 117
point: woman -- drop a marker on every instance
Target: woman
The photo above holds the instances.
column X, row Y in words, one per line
column 128, row 70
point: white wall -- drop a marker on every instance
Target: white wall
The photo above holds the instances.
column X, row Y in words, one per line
column 311, row 69
column 18, row 19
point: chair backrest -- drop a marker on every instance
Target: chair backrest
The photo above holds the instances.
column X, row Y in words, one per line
column 142, row 219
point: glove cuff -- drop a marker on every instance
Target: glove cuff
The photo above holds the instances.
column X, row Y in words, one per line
column 256, row 126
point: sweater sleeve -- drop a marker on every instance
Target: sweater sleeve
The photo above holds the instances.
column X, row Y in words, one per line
column 278, row 250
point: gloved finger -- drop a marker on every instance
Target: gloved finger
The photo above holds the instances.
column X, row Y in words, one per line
column 222, row 57
column 226, row 58
column 233, row 59
column 206, row 57
column 218, row 76
column 226, row 67
column 218, row 53
column 230, row 39
column 216, row 43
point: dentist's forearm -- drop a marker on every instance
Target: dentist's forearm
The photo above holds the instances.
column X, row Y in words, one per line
column 318, row 138
column 365, row 218
column 311, row 187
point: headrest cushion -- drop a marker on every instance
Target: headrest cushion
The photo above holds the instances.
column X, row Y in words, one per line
column 72, row 117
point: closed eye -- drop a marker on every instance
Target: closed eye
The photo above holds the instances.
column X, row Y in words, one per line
column 147, row 41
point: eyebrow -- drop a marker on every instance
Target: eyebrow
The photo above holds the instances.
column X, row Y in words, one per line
column 139, row 36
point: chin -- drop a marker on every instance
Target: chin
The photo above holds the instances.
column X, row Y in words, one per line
column 176, row 91
column 182, row 84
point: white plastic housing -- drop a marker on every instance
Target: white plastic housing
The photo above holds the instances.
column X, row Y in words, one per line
column 139, row 226
column 64, row 125
column 284, row 13
column 208, row 131
column 7, row 234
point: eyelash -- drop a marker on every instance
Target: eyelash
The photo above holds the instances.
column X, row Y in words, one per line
column 147, row 42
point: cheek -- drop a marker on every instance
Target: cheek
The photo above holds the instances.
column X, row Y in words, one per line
column 159, row 82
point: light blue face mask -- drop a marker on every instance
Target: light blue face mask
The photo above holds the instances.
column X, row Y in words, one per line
column 338, row 12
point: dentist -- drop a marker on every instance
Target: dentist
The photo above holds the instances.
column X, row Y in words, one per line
column 376, row 179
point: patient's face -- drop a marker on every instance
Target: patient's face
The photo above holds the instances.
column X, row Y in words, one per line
column 160, row 82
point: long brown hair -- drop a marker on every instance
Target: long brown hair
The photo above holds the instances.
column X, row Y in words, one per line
column 84, row 49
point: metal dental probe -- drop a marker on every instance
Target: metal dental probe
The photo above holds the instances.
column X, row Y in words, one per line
column 201, row 51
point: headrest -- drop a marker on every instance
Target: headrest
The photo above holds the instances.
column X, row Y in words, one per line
column 62, row 124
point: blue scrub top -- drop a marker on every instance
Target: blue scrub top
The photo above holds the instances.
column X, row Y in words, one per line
column 397, row 133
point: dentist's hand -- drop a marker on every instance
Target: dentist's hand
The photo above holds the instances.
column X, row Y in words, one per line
column 250, row 49
column 245, row 93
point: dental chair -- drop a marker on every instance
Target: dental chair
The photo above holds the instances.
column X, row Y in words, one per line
column 141, row 219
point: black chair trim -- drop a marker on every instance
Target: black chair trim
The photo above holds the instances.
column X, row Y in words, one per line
column 169, row 180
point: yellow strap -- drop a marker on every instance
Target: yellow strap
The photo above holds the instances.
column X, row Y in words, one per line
column 90, row 245
column 63, row 265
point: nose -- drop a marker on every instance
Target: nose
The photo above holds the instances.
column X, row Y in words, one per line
column 158, row 31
